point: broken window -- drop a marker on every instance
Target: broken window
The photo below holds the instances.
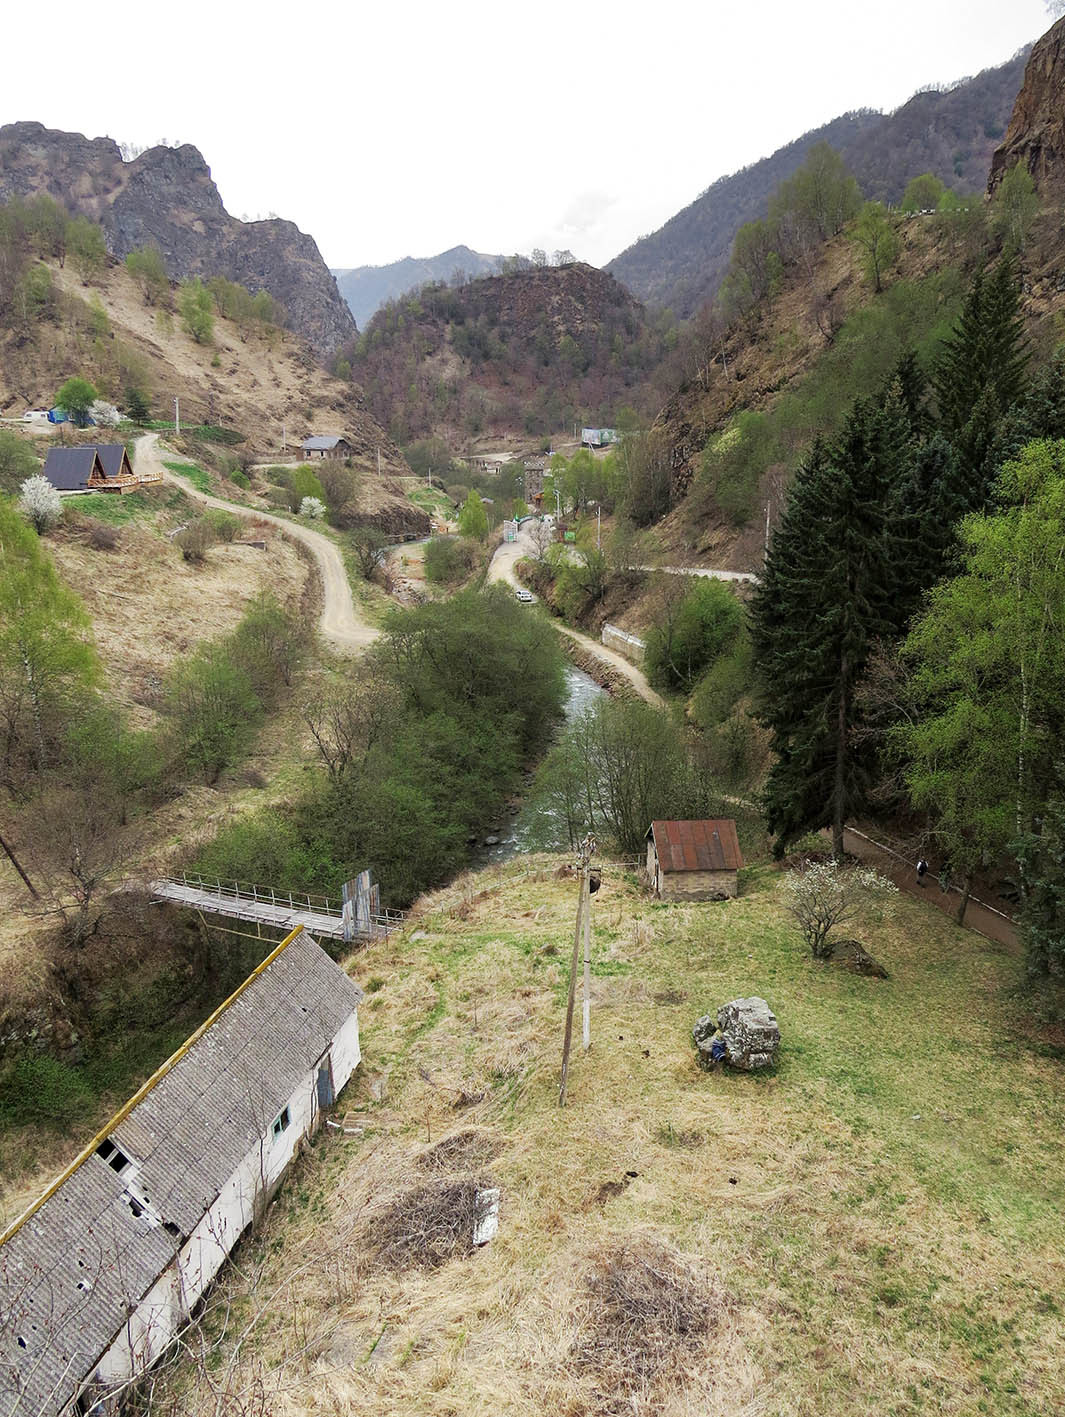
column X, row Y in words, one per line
column 281, row 1123
column 116, row 1159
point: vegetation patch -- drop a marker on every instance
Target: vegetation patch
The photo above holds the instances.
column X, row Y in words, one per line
column 464, row 1151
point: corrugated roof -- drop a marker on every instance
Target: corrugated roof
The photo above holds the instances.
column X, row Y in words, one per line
column 710, row 845
column 321, row 444
column 69, row 469
column 72, row 1269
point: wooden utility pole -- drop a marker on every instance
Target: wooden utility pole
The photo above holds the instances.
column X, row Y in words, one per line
column 582, row 929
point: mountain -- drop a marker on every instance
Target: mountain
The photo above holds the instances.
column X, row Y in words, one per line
column 952, row 133
column 366, row 288
column 1036, row 134
column 529, row 352
column 166, row 196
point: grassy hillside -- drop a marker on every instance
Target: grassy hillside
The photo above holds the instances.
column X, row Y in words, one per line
column 873, row 1226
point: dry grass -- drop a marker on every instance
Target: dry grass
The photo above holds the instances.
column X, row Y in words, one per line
column 884, row 1210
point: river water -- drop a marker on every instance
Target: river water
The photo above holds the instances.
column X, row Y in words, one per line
column 582, row 692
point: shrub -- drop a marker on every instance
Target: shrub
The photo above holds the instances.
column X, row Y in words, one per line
column 195, row 539
column 17, row 461
column 448, row 559
column 101, row 535
column 693, row 632
column 224, row 525
column 214, row 711
column 312, row 507
column 240, row 479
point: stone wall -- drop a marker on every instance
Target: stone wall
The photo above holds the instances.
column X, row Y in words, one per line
column 697, row 885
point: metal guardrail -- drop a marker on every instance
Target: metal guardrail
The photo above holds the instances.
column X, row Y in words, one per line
column 245, row 900
column 295, row 900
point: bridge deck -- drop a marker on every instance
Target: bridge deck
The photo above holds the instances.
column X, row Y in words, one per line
column 279, row 914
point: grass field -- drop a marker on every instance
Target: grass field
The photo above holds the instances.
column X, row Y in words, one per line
column 873, row 1227
column 200, row 479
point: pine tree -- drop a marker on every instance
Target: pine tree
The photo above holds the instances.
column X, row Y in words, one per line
column 829, row 594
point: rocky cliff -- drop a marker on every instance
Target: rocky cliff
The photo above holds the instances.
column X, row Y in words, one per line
column 1036, row 134
column 366, row 288
column 166, row 196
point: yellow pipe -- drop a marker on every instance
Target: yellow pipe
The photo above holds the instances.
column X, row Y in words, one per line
column 138, row 1097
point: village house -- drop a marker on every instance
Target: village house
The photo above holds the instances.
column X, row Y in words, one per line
column 329, row 446
column 98, row 1276
column 535, row 471
column 693, row 860
column 94, row 467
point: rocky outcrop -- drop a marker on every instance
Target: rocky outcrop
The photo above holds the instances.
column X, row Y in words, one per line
column 747, row 1027
column 1036, row 134
column 167, row 196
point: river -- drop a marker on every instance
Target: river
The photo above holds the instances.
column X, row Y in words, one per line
column 582, row 692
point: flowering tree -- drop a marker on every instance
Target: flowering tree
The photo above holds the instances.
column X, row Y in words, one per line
column 823, row 895
column 312, row 507
column 40, row 502
column 104, row 414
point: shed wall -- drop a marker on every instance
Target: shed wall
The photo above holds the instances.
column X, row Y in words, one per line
column 697, row 885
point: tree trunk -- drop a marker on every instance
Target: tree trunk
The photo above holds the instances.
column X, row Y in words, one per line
column 839, row 786
column 10, row 854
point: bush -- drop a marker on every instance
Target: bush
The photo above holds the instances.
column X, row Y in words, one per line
column 448, row 559
column 693, row 632
column 224, row 525
column 214, row 711
column 239, row 478
column 269, row 645
column 101, row 535
column 823, row 895
column 195, row 540
column 312, row 507
column 40, row 503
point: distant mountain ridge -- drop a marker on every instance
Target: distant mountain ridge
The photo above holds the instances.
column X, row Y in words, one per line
column 366, row 288
column 952, row 133
column 166, row 196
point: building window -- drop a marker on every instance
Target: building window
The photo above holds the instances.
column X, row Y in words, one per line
column 281, row 1123
column 109, row 1152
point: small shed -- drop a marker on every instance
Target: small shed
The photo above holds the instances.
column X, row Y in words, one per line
column 326, row 446
column 694, row 860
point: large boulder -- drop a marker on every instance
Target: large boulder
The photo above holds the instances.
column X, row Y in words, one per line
column 750, row 1031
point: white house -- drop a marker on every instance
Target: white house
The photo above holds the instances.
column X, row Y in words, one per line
column 102, row 1272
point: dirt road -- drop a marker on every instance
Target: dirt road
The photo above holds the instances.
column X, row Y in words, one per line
column 339, row 623
column 502, row 569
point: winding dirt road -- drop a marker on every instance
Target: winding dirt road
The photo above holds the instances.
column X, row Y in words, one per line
column 339, row 622
column 502, row 569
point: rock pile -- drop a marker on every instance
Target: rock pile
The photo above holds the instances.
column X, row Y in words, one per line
column 750, row 1031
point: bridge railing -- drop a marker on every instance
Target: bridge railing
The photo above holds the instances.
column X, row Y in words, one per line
column 248, row 890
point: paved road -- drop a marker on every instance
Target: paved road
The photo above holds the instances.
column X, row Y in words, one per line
column 502, row 569
column 339, row 621
column 978, row 916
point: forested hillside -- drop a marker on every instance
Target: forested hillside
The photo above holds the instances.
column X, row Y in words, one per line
column 366, row 288
column 951, row 133
column 531, row 351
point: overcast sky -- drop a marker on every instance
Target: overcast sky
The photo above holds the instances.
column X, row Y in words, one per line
column 399, row 129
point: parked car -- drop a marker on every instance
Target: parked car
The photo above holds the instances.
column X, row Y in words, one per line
column 526, row 596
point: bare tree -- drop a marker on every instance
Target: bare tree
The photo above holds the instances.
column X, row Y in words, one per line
column 347, row 720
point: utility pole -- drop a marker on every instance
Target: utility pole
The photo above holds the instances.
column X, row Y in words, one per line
column 598, row 528
column 177, row 417
column 582, row 932
column 379, row 460
column 284, row 438
column 765, row 557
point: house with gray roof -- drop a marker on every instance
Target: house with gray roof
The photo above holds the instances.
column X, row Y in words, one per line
column 99, row 1275
column 94, row 467
column 326, row 446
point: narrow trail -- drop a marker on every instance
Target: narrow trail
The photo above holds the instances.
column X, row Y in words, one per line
column 339, row 622
column 501, row 568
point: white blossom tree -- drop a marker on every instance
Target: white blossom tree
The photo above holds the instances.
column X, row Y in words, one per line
column 40, row 503
column 104, row 414
column 823, row 895
column 312, row 507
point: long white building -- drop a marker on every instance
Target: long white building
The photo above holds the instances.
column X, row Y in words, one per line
column 100, row 1274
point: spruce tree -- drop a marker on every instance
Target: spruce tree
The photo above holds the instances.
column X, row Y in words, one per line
column 982, row 373
column 829, row 594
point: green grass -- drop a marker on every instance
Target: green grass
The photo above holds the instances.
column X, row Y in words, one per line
column 885, row 1208
column 196, row 475
column 132, row 507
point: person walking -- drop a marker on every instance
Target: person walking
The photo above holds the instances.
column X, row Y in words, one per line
column 922, row 871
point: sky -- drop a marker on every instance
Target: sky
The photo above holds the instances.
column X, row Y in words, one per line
column 403, row 129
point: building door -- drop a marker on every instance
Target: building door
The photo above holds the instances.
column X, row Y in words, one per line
column 326, row 1096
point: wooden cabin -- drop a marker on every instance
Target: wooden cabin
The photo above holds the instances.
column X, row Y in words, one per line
column 93, row 467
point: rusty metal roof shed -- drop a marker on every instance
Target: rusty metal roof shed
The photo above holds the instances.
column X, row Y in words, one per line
column 710, row 845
